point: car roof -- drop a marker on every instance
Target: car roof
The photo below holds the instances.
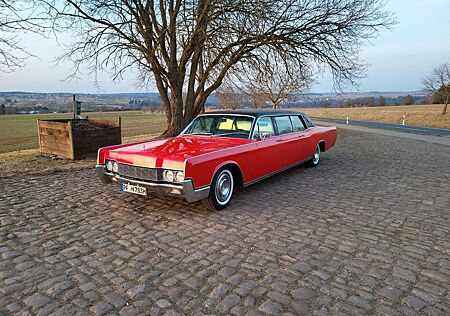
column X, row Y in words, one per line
column 255, row 112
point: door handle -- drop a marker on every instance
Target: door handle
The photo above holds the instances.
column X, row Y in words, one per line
column 279, row 140
column 301, row 136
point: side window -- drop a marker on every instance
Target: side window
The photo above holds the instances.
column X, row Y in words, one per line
column 201, row 125
column 264, row 126
column 297, row 124
column 283, row 124
column 307, row 121
column 244, row 123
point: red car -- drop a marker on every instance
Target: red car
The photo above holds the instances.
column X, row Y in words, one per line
column 216, row 152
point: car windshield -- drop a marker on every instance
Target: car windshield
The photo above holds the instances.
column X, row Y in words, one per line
column 221, row 125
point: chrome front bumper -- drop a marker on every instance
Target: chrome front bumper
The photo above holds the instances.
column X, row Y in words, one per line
column 185, row 189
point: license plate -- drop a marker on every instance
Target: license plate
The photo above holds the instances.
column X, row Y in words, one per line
column 126, row 187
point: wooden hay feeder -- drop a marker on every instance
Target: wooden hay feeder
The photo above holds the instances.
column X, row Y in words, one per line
column 77, row 139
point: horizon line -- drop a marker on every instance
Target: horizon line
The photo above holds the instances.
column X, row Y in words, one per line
column 155, row 92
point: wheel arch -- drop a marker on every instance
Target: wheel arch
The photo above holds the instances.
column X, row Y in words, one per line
column 235, row 170
column 322, row 145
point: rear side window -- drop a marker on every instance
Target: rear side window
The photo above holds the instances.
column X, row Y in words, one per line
column 297, row 124
column 283, row 124
column 264, row 126
column 307, row 121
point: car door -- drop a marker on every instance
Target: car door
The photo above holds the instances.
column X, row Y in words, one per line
column 287, row 154
column 299, row 142
column 309, row 140
column 269, row 146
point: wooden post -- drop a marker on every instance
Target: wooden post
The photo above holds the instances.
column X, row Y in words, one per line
column 72, row 151
column 119, row 119
column 39, row 136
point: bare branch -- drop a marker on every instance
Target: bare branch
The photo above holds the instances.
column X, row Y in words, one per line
column 17, row 18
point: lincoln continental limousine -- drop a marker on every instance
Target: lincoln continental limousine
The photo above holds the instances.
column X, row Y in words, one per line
column 216, row 153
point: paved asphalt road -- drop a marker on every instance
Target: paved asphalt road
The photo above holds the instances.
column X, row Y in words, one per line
column 366, row 232
column 395, row 127
column 441, row 140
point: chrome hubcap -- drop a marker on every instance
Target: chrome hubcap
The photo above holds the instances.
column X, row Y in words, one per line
column 224, row 187
column 316, row 155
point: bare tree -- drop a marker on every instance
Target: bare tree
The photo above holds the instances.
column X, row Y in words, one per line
column 229, row 96
column 257, row 99
column 438, row 82
column 16, row 18
column 276, row 80
column 190, row 46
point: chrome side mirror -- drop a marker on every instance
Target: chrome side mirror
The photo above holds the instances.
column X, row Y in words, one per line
column 264, row 136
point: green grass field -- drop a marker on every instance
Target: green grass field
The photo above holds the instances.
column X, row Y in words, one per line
column 19, row 132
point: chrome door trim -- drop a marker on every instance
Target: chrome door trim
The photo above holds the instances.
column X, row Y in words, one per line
column 275, row 172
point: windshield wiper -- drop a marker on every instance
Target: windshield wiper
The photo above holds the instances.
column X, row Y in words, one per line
column 234, row 133
column 201, row 133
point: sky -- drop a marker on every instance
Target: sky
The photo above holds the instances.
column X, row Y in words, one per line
column 398, row 59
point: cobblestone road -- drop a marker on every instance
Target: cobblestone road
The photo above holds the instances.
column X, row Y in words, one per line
column 366, row 232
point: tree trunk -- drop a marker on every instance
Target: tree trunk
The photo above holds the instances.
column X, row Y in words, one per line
column 200, row 105
column 275, row 104
column 444, row 110
column 175, row 119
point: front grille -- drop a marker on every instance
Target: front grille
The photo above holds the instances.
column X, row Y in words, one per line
column 141, row 173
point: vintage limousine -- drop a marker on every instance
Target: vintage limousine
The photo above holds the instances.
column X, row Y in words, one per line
column 215, row 153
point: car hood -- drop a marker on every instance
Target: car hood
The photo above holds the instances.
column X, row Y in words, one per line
column 171, row 153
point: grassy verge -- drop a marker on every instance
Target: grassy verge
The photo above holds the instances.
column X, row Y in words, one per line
column 415, row 115
column 31, row 162
column 19, row 132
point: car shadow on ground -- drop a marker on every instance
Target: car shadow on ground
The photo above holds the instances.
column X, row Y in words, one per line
column 244, row 198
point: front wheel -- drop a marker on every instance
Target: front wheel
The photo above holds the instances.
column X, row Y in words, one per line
column 316, row 157
column 221, row 190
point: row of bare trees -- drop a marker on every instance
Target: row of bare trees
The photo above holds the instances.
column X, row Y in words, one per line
column 265, row 85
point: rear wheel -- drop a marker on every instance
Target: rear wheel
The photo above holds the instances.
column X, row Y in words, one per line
column 316, row 157
column 221, row 191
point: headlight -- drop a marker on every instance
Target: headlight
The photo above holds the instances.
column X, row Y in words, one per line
column 109, row 165
column 169, row 175
column 115, row 167
column 179, row 176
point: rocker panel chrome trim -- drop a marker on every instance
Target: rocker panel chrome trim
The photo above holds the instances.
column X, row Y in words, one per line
column 276, row 172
